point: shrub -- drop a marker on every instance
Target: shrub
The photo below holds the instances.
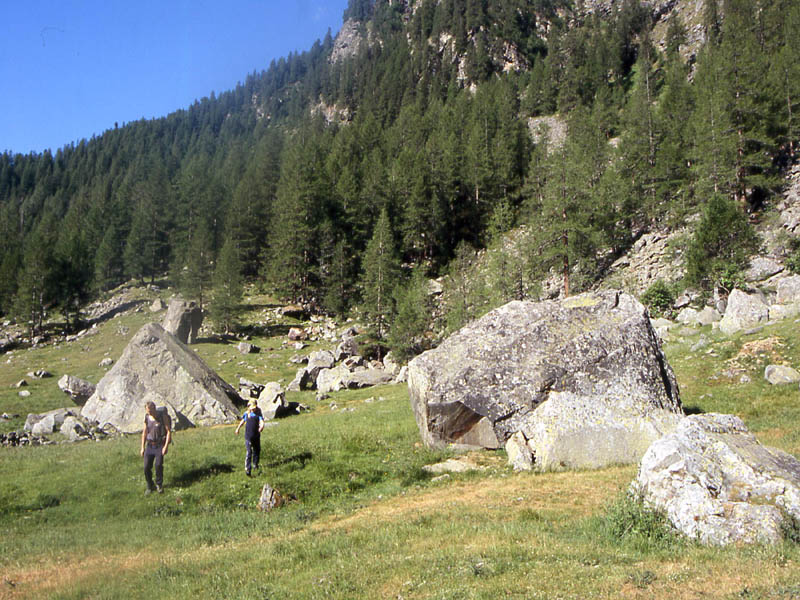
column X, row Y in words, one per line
column 628, row 519
column 659, row 297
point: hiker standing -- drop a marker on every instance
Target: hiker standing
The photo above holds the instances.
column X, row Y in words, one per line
column 156, row 437
column 253, row 422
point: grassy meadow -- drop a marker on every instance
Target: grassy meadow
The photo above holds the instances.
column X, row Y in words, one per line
column 363, row 519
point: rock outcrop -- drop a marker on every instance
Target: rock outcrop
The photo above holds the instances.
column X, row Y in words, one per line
column 583, row 380
column 157, row 366
column 183, row 320
column 717, row 484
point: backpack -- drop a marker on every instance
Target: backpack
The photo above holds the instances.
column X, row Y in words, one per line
column 162, row 416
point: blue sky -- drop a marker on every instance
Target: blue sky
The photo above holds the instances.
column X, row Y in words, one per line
column 70, row 69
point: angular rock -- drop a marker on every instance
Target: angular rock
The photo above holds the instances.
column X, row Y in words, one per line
column 46, row 423
column 106, row 362
column 762, row 268
column 183, row 320
column 332, row 380
column 744, row 311
column 789, row 290
column 322, row 359
column 157, row 366
column 781, row 375
column 708, row 315
column 778, row 312
column 717, row 484
column 247, row 348
column 302, row 381
column 157, row 305
column 73, row 429
column 249, row 389
column 402, row 376
column 520, row 456
column 296, row 334
column 270, row 498
column 348, row 347
column 367, row 378
column 353, row 362
column 294, row 311
column 272, row 401
column 390, row 364
column 584, row 379
column 79, row 390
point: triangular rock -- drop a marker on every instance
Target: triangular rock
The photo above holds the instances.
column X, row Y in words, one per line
column 157, row 366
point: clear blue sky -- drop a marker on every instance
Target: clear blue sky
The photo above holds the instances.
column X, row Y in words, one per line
column 70, row 69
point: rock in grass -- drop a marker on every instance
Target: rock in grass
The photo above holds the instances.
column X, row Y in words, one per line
column 270, row 498
column 78, row 389
column 781, row 375
column 744, row 311
column 584, row 379
column 157, row 366
column 718, row 484
column 183, row 320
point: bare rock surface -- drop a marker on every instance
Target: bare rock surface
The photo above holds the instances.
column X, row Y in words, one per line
column 78, row 389
column 157, row 366
column 583, row 379
column 718, row 484
column 183, row 320
column 744, row 311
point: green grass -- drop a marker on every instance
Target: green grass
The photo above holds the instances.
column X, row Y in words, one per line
column 363, row 520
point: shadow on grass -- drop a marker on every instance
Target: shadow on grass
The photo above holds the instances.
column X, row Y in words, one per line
column 692, row 410
column 301, row 458
column 187, row 478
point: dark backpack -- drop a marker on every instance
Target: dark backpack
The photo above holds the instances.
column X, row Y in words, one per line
column 162, row 416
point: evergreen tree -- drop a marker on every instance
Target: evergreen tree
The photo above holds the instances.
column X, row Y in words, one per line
column 407, row 336
column 227, row 287
column 380, row 272
column 195, row 270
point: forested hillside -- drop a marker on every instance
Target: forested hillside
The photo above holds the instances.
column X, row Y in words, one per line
column 334, row 174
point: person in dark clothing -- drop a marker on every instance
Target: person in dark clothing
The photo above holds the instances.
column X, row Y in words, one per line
column 156, row 436
column 253, row 422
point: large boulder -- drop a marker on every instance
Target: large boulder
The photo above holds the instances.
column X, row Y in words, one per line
column 273, row 400
column 183, row 320
column 321, row 359
column 157, row 366
column 743, row 312
column 717, row 484
column 788, row 291
column 78, row 389
column 583, row 379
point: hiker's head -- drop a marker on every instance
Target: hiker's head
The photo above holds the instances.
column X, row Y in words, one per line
column 252, row 404
column 150, row 407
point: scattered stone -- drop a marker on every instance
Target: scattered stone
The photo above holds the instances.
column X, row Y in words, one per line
column 296, row 334
column 390, row 364
column 106, row 362
column 402, row 376
column 435, row 288
column 298, row 359
column 248, row 348
column 744, row 311
column 47, row 423
column 183, row 320
column 708, row 315
column 682, row 301
column 348, row 347
column 451, row 465
column 300, row 346
column 520, row 456
column 39, row 374
column 687, row 316
column 73, row 429
column 157, row 305
column 717, row 484
column 21, row 383
column 367, row 378
column 781, row 375
column 24, row 394
column 249, row 389
column 778, row 312
column 322, row 359
column 157, row 366
column 79, row 390
column 584, row 379
column 351, row 363
column 270, row 498
column 332, row 380
column 294, row 311
column 350, row 332
column 701, row 343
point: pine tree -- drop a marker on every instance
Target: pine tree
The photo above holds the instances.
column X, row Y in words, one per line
column 227, row 287
column 380, row 272
column 407, row 336
column 196, row 269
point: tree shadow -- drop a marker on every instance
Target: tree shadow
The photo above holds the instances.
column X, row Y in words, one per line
column 187, row 478
column 693, row 410
column 114, row 312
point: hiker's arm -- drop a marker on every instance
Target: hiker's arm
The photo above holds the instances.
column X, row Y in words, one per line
column 260, row 424
column 167, row 440
column 144, row 434
column 238, row 427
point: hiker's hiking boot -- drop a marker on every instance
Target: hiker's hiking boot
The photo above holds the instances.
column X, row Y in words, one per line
column 159, row 489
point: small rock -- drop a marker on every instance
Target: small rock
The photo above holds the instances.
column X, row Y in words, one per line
column 781, row 375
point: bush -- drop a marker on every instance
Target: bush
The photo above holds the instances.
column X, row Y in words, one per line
column 659, row 297
column 720, row 246
column 628, row 519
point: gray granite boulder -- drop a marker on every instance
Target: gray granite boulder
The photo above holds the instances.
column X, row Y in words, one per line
column 302, row 381
column 272, row 400
column 157, row 366
column 322, row 359
column 744, row 311
column 348, row 347
column 78, row 389
column 762, row 268
column 332, row 380
column 183, row 320
column 788, row 291
column 781, row 375
column 583, row 379
column 718, row 484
